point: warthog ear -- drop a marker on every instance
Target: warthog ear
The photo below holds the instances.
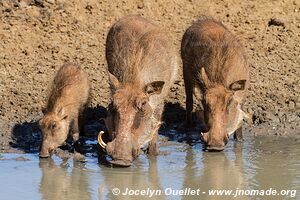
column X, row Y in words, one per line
column 114, row 82
column 238, row 85
column 62, row 114
column 154, row 87
column 205, row 78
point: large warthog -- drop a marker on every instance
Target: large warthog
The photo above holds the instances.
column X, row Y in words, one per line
column 214, row 61
column 142, row 67
column 68, row 97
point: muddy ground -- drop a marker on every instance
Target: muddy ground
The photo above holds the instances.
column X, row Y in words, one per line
column 38, row 36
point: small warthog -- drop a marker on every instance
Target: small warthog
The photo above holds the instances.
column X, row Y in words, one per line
column 142, row 66
column 68, row 97
column 214, row 61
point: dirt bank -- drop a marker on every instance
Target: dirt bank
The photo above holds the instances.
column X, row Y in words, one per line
column 38, row 36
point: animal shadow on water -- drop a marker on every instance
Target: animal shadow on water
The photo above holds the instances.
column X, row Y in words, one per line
column 173, row 126
column 27, row 136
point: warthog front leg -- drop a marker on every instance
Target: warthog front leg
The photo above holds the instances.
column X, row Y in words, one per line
column 238, row 134
column 189, row 90
column 78, row 148
column 153, row 147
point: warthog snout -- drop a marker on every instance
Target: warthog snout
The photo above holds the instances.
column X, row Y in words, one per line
column 213, row 143
column 44, row 155
column 44, row 150
column 121, row 149
column 120, row 153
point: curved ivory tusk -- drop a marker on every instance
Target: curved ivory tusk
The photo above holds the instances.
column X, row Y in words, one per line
column 202, row 136
column 100, row 141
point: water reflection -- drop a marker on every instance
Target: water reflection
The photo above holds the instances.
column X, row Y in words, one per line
column 276, row 166
column 258, row 163
column 134, row 179
column 58, row 182
column 217, row 172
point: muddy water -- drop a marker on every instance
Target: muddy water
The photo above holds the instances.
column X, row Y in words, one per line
column 258, row 163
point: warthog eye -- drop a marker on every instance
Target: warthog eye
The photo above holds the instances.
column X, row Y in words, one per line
column 141, row 105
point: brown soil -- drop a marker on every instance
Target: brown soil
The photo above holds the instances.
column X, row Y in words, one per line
column 38, row 36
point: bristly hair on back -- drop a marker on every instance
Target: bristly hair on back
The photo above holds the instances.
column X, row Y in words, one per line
column 203, row 18
column 67, row 75
column 130, row 51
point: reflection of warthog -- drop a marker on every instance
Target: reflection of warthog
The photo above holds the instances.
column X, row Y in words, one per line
column 69, row 95
column 142, row 67
column 217, row 172
column 137, row 179
column 58, row 183
column 214, row 61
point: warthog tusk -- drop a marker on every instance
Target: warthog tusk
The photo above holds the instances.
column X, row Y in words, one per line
column 202, row 136
column 100, row 141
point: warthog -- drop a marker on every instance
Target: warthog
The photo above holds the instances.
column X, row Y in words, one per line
column 68, row 97
column 214, row 61
column 142, row 66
